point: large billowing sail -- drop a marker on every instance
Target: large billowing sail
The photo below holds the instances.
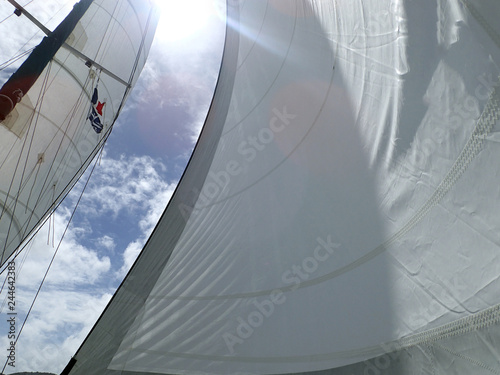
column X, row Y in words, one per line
column 68, row 104
column 340, row 211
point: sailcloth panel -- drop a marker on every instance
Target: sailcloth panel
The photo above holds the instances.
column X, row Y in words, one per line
column 340, row 212
column 48, row 140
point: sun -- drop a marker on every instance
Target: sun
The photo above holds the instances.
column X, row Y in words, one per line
column 180, row 19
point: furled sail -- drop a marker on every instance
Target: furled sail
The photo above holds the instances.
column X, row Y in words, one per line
column 340, row 211
column 58, row 108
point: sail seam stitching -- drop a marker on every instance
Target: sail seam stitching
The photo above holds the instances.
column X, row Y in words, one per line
column 468, row 324
column 467, row 358
column 484, row 126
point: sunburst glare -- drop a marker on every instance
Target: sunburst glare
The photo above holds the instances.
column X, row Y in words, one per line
column 181, row 19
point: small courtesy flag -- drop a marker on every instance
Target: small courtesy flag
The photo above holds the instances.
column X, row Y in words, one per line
column 96, row 112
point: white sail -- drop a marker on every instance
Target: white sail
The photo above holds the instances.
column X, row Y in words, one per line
column 47, row 140
column 340, row 211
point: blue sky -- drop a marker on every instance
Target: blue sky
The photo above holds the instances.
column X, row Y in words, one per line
column 130, row 187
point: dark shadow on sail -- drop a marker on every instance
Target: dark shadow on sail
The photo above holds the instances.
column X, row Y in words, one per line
column 421, row 29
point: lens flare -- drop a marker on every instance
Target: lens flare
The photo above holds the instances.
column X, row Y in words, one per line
column 181, row 19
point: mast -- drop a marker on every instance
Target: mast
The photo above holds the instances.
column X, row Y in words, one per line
column 23, row 79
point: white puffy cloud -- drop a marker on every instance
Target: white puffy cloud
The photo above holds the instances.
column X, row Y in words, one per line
column 106, row 242
column 147, row 224
column 74, row 264
column 125, row 184
column 130, row 186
